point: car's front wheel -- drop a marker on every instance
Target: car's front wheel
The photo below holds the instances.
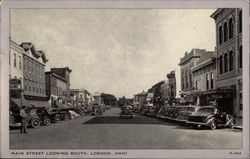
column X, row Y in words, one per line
column 66, row 117
column 35, row 123
column 213, row 125
column 46, row 121
column 57, row 119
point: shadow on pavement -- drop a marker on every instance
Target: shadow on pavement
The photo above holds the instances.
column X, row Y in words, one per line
column 134, row 120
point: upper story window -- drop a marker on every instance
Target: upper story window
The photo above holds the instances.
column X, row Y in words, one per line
column 207, row 81
column 225, row 63
column 240, row 21
column 20, row 62
column 225, row 28
column 221, row 64
column 231, row 60
column 212, row 80
column 220, row 35
column 231, row 28
column 240, row 57
column 14, row 60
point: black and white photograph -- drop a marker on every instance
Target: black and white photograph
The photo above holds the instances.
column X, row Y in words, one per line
column 113, row 80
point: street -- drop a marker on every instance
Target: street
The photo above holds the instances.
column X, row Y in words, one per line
column 110, row 132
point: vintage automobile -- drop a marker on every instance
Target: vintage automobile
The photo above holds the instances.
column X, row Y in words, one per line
column 160, row 112
column 63, row 113
column 126, row 112
column 185, row 112
column 175, row 112
column 33, row 119
column 46, row 116
column 168, row 112
column 96, row 110
column 212, row 117
column 144, row 110
column 151, row 111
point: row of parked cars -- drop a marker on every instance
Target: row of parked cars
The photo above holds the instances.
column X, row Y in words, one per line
column 190, row 115
column 37, row 116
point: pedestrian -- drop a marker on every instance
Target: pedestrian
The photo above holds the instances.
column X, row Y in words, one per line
column 23, row 115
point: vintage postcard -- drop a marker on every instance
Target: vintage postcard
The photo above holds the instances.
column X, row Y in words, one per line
column 124, row 79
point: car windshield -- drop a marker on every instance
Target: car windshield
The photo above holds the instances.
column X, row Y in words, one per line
column 188, row 109
column 206, row 110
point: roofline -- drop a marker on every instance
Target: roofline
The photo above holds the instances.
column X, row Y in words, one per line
column 215, row 12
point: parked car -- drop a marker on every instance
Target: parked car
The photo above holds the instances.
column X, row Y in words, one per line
column 46, row 116
column 33, row 119
column 185, row 112
column 144, row 110
column 96, row 110
column 151, row 111
column 175, row 112
column 126, row 112
column 212, row 117
column 63, row 113
column 168, row 112
column 160, row 112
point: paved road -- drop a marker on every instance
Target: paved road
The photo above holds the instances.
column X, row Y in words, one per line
column 111, row 132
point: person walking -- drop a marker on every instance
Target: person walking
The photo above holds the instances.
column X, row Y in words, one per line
column 23, row 115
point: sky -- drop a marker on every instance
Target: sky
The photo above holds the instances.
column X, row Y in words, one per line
column 116, row 51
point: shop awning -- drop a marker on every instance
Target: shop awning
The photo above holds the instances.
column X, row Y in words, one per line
column 37, row 103
column 17, row 102
column 220, row 91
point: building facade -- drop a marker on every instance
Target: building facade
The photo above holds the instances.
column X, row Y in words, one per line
column 33, row 72
column 186, row 64
column 81, row 96
column 55, row 87
column 168, row 89
column 229, row 64
column 204, row 77
column 65, row 74
column 140, row 98
column 16, row 61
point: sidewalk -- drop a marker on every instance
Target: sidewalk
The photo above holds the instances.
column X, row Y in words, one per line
column 238, row 123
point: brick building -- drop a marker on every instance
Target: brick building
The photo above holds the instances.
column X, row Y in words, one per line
column 65, row 74
column 228, row 23
column 168, row 88
column 186, row 64
column 33, row 72
column 16, row 61
column 204, row 77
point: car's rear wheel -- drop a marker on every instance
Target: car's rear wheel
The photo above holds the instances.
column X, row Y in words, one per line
column 46, row 121
column 213, row 126
column 35, row 123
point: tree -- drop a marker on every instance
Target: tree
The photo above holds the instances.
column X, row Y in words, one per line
column 109, row 99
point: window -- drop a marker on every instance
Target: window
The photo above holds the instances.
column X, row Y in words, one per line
column 225, row 63
column 30, row 88
column 25, row 87
column 231, row 28
column 231, row 61
column 221, row 64
column 207, row 81
column 240, row 57
column 196, row 84
column 240, row 21
column 14, row 60
column 220, row 35
column 20, row 63
column 24, row 61
column 225, row 32
column 212, row 80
